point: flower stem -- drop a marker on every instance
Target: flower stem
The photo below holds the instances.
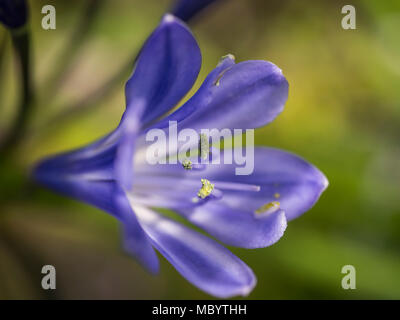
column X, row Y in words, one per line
column 74, row 43
column 21, row 43
column 86, row 104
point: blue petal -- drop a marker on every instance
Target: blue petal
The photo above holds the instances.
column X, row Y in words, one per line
column 105, row 195
column 95, row 157
column 201, row 98
column 202, row 261
column 88, row 188
column 109, row 158
column 246, row 95
column 135, row 240
column 282, row 176
column 161, row 190
column 166, row 69
column 238, row 227
column 186, row 9
column 129, row 128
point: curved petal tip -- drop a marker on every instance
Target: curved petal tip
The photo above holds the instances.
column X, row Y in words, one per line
column 169, row 18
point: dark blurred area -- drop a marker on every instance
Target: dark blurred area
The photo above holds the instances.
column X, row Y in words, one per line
column 343, row 115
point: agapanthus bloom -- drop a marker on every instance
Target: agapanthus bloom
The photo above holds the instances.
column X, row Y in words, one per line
column 112, row 173
column 13, row 13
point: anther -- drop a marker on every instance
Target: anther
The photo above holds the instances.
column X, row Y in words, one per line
column 268, row 208
column 206, row 189
column 187, row 164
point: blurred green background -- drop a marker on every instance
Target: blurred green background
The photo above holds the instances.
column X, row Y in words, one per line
column 343, row 115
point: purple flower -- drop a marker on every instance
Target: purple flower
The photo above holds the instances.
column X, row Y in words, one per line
column 186, row 9
column 13, row 13
column 113, row 175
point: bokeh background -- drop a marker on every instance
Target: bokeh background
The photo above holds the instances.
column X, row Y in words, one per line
column 343, row 115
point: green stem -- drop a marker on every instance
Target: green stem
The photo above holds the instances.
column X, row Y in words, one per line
column 21, row 43
column 86, row 104
column 72, row 47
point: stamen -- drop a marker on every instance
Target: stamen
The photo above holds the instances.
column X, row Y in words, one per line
column 236, row 186
column 206, row 189
column 187, row 164
column 277, row 195
column 268, row 208
column 164, row 183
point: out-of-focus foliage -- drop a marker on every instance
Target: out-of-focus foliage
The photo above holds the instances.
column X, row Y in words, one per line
column 343, row 115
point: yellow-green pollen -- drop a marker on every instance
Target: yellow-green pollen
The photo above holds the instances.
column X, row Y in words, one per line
column 277, row 195
column 206, row 189
column 269, row 206
column 187, row 164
